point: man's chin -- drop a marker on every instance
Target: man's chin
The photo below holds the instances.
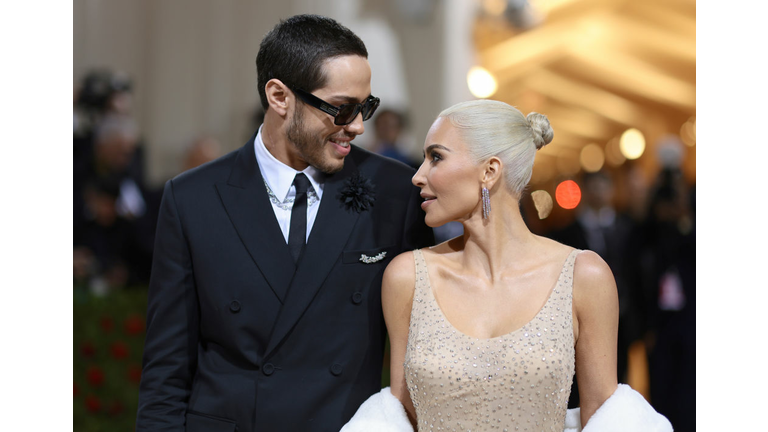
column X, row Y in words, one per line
column 333, row 168
column 329, row 165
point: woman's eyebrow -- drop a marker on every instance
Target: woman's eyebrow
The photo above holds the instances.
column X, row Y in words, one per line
column 438, row 146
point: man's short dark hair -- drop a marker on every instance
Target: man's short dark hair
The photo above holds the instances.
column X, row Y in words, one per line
column 296, row 49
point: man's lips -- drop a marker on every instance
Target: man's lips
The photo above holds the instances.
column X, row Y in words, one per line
column 341, row 142
column 342, row 145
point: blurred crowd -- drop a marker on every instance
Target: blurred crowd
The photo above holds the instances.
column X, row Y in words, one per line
column 115, row 209
column 651, row 250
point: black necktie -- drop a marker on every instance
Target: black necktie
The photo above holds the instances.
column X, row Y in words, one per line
column 298, row 233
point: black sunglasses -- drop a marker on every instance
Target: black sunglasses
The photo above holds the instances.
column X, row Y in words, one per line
column 343, row 114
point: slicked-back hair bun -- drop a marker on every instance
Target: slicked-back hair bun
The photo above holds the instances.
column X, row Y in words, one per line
column 493, row 128
column 542, row 131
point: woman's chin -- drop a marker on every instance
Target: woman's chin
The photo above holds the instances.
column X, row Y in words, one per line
column 434, row 222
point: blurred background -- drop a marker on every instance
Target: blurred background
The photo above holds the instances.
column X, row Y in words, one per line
column 161, row 87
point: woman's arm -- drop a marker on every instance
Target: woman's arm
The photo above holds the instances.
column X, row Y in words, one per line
column 397, row 288
column 596, row 315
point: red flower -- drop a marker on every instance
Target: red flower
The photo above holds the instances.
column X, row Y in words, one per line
column 92, row 403
column 95, row 376
column 87, row 349
column 134, row 373
column 107, row 324
column 119, row 350
column 116, row 408
column 134, row 325
column 77, row 390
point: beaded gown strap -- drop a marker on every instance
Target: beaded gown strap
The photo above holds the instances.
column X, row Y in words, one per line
column 421, row 270
column 569, row 266
column 419, row 292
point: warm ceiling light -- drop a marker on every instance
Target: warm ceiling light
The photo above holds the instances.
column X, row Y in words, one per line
column 632, row 143
column 542, row 200
column 568, row 194
column 495, row 7
column 592, row 158
column 481, row 83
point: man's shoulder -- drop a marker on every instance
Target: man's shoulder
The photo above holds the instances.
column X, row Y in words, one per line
column 208, row 173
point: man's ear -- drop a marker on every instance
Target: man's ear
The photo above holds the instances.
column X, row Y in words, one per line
column 279, row 96
column 492, row 172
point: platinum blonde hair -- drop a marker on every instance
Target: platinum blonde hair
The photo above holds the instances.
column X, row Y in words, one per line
column 493, row 128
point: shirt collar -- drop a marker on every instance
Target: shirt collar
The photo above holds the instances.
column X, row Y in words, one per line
column 279, row 176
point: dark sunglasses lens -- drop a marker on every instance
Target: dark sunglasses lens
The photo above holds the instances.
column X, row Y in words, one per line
column 347, row 114
column 369, row 108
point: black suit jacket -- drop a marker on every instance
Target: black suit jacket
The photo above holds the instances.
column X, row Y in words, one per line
column 240, row 339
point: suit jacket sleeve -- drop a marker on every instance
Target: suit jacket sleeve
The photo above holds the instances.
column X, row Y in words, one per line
column 170, row 349
column 416, row 234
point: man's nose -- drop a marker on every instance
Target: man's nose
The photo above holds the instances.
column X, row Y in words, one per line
column 357, row 126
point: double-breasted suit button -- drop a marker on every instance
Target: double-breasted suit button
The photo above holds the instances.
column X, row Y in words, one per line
column 234, row 306
column 337, row 369
column 268, row 369
column 357, row 298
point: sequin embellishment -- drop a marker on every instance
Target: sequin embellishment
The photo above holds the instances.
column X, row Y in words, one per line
column 516, row 382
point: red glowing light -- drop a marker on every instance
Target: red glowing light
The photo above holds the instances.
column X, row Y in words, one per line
column 568, row 194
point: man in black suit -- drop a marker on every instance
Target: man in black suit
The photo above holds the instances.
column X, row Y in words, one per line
column 264, row 304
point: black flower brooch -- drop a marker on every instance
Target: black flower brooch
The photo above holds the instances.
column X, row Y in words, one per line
column 357, row 194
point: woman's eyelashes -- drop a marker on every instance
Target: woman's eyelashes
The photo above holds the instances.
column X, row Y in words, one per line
column 435, row 156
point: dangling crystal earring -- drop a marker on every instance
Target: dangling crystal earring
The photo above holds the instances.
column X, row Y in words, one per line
column 486, row 203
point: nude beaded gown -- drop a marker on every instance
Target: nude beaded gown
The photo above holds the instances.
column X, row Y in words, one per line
column 516, row 382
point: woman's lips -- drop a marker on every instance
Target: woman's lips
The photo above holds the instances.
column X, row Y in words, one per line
column 427, row 202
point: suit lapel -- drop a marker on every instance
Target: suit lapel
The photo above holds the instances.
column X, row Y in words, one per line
column 247, row 204
column 330, row 232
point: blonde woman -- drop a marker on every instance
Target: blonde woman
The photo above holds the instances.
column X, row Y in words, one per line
column 488, row 329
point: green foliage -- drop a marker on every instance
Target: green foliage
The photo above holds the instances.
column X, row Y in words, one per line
column 108, row 342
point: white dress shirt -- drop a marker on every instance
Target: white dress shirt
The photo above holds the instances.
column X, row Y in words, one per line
column 279, row 177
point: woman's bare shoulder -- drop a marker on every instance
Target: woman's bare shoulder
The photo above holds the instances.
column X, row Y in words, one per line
column 591, row 271
column 399, row 278
column 594, row 286
column 400, row 266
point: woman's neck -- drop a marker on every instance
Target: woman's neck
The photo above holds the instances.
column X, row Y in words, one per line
column 494, row 245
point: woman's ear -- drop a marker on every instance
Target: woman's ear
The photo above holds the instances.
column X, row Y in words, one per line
column 492, row 172
column 279, row 96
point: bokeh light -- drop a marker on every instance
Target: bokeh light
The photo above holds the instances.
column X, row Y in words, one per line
column 592, row 158
column 632, row 143
column 613, row 154
column 481, row 83
column 568, row 194
column 688, row 132
column 542, row 200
